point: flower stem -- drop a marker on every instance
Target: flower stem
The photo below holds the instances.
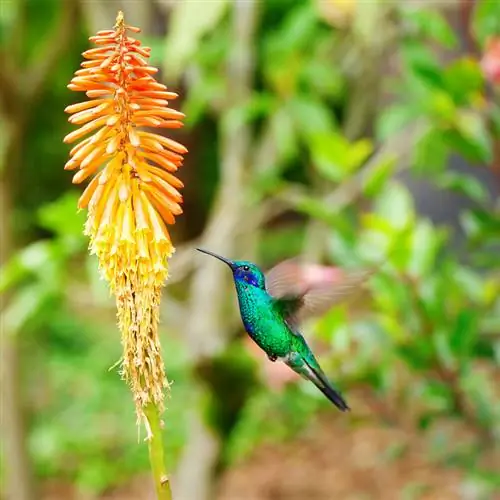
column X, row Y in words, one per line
column 156, row 455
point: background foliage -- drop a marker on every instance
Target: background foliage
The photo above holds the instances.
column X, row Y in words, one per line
column 349, row 132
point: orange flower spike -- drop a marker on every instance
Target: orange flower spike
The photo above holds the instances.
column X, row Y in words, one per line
column 132, row 195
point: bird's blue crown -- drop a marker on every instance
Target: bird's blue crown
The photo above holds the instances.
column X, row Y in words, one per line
column 248, row 273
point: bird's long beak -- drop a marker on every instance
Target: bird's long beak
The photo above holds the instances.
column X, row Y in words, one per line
column 230, row 263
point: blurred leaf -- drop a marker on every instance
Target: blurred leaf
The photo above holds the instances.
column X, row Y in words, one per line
column 464, row 80
column 311, row 117
column 443, row 349
column 323, row 79
column 475, row 132
column 463, row 333
column 334, row 157
column 330, row 323
column 486, row 20
column 206, row 91
column 442, row 109
column 394, row 118
column 481, row 224
column 291, row 45
column 395, row 205
column 157, row 45
column 379, row 175
column 381, row 239
column 421, row 61
column 464, row 184
column 30, row 260
column 7, row 20
column 435, row 394
column 315, row 208
column 62, row 216
column 467, row 279
column 418, row 355
column 284, row 133
column 430, row 23
column 23, row 306
column 426, row 243
column 189, row 22
column 431, row 153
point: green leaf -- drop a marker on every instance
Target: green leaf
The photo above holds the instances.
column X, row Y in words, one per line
column 474, row 131
column 395, row 205
column 441, row 108
column 375, row 240
column 481, row 223
column 395, row 118
column 189, row 22
column 31, row 259
column 323, row 79
column 335, row 157
column 209, row 89
column 422, row 63
column 486, row 20
column 464, row 80
column 431, row 153
column 378, row 176
column 315, row 208
column 331, row 323
column 24, row 305
column 463, row 184
column 62, row 216
column 310, row 116
column 464, row 333
column 443, row 349
column 284, row 134
column 430, row 23
column 426, row 243
column 157, row 46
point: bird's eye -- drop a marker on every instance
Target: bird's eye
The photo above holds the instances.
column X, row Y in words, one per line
column 246, row 268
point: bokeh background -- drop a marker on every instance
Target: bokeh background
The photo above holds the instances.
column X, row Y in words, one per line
column 347, row 132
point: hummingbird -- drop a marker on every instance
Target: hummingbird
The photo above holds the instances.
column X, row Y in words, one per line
column 273, row 305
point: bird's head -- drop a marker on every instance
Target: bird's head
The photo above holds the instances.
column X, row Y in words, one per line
column 244, row 272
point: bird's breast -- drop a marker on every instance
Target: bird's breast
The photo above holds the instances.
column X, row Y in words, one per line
column 261, row 322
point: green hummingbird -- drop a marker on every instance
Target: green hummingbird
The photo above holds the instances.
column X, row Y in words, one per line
column 273, row 305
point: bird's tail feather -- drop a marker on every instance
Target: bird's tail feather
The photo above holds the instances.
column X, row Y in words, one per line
column 323, row 384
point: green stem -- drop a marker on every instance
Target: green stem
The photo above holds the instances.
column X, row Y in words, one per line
column 156, row 455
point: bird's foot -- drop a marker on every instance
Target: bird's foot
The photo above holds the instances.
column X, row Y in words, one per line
column 272, row 357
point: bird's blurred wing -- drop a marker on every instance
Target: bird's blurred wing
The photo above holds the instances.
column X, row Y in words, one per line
column 304, row 291
column 321, row 298
column 285, row 279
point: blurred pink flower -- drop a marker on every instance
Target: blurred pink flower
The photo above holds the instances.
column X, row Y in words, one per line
column 490, row 62
column 314, row 274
